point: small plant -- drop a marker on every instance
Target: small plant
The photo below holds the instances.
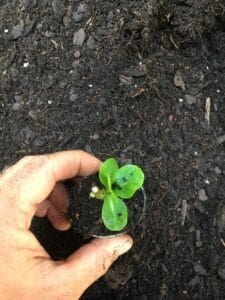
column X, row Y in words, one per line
column 119, row 183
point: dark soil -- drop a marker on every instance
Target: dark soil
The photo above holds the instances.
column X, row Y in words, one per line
column 133, row 85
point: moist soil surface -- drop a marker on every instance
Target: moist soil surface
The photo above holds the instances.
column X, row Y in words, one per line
column 141, row 81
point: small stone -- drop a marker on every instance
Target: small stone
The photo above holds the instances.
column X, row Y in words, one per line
column 73, row 97
column 17, row 98
column 95, row 136
column 17, row 31
column 90, row 42
column 75, row 63
column 62, row 84
column 17, row 106
column 198, row 244
column 66, row 21
column 26, row 64
column 77, row 54
column 190, row 99
column 39, row 142
column 79, row 37
column 110, row 16
column 125, row 79
column 213, row 259
column 39, row 101
column 202, row 195
column 135, row 71
column 221, row 139
column 193, row 282
column 191, row 229
column 32, row 115
column 27, row 133
column 77, row 17
column 78, row 14
column 82, row 8
column 199, row 206
column 178, row 80
column 221, row 272
column 200, row 270
column 198, row 238
column 88, row 149
column 14, row 73
column 26, row 3
column 217, row 171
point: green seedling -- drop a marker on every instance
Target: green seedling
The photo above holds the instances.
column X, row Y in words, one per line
column 119, row 183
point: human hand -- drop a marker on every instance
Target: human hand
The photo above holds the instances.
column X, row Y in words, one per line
column 33, row 186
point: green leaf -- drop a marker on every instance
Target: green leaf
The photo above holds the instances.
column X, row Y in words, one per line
column 114, row 212
column 128, row 180
column 107, row 171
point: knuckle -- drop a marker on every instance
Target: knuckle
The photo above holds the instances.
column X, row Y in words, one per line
column 26, row 159
column 38, row 160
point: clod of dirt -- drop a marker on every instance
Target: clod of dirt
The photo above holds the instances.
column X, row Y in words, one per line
column 213, row 259
column 118, row 275
column 217, row 171
column 202, row 195
column 27, row 133
column 17, row 31
column 73, row 97
column 221, row 272
column 190, row 99
column 178, row 80
column 78, row 14
column 221, row 217
column 135, row 71
column 200, row 270
column 194, row 281
column 58, row 8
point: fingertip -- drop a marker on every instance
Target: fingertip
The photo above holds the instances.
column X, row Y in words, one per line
column 117, row 245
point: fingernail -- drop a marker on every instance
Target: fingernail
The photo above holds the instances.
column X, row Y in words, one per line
column 124, row 247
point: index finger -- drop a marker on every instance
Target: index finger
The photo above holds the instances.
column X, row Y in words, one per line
column 32, row 179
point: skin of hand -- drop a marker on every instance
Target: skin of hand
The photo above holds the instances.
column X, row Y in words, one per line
column 33, row 186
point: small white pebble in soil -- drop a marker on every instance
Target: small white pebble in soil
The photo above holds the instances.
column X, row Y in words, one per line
column 50, row 102
column 90, row 85
column 195, row 153
column 6, row 30
column 218, row 91
column 181, row 100
column 207, row 68
column 26, row 65
column 94, row 189
column 4, row 72
column 135, row 85
column 207, row 181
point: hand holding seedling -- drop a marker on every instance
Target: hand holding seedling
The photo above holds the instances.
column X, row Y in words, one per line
column 33, row 187
column 119, row 183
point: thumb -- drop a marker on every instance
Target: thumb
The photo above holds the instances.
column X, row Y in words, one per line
column 91, row 261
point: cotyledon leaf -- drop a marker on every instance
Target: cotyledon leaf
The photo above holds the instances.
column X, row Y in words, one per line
column 107, row 171
column 114, row 212
column 127, row 180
